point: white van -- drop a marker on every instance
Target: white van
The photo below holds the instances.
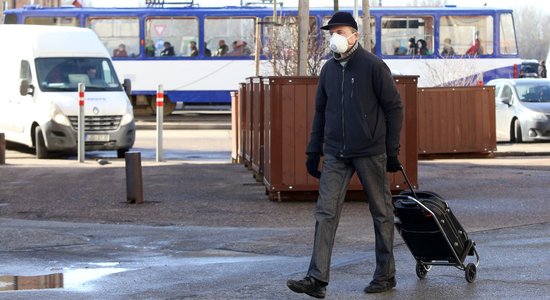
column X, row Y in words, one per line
column 40, row 68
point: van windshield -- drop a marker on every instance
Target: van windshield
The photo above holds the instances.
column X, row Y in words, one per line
column 64, row 74
column 534, row 92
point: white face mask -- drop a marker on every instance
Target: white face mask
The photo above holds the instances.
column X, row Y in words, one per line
column 338, row 43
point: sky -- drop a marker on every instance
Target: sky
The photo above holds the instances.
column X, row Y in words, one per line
column 543, row 4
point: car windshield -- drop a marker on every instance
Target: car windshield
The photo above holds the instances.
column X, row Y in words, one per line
column 64, row 74
column 533, row 91
column 530, row 68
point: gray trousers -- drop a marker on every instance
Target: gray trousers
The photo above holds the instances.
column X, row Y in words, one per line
column 336, row 175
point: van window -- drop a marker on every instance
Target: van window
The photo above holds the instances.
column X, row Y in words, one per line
column 65, row 73
column 25, row 71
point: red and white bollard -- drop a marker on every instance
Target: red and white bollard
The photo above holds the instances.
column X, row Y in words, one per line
column 81, row 122
column 160, row 115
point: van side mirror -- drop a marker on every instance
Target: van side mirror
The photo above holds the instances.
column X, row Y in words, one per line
column 127, row 86
column 25, row 88
column 507, row 101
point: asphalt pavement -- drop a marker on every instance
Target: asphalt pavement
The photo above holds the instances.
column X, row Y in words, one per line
column 208, row 231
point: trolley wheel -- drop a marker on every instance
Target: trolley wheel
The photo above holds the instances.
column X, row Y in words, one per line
column 422, row 270
column 470, row 272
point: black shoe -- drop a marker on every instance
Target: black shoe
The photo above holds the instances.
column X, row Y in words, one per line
column 381, row 286
column 308, row 285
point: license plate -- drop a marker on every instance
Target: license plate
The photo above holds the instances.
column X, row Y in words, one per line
column 97, row 138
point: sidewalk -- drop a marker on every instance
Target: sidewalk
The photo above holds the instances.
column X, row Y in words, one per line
column 207, row 231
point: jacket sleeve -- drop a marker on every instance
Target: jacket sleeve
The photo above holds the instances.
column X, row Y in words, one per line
column 317, row 136
column 390, row 101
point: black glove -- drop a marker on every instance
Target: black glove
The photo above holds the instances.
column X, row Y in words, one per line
column 393, row 165
column 312, row 164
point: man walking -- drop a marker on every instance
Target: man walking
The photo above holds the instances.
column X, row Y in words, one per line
column 357, row 124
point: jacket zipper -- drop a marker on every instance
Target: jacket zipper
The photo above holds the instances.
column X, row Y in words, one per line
column 343, row 114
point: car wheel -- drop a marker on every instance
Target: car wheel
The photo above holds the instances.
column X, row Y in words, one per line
column 40, row 145
column 518, row 138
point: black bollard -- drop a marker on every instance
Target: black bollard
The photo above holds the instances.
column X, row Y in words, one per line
column 134, row 183
column 2, row 148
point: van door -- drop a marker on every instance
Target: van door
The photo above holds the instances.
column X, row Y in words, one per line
column 22, row 106
column 10, row 114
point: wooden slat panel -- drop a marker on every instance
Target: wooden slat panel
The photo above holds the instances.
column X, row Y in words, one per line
column 287, row 124
column 287, row 142
column 456, row 120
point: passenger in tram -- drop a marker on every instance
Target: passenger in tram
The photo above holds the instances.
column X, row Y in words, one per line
column 412, row 46
column 207, row 51
column 475, row 49
column 422, row 48
column 193, row 50
column 149, row 48
column 447, row 48
column 120, row 51
column 398, row 49
column 239, row 49
column 222, row 48
column 168, row 50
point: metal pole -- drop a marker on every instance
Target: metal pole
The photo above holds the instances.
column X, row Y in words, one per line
column 81, row 122
column 303, row 13
column 355, row 11
column 2, row 148
column 134, row 182
column 160, row 116
column 258, row 45
column 366, row 25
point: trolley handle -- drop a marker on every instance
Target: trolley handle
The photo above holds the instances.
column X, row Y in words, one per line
column 407, row 180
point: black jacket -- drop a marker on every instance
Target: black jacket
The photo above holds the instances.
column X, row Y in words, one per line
column 358, row 110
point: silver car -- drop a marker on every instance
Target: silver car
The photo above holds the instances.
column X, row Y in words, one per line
column 522, row 109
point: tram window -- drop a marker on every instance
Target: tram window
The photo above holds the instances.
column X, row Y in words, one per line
column 117, row 34
column 507, row 35
column 236, row 33
column 178, row 32
column 470, row 35
column 360, row 27
column 59, row 21
column 407, row 35
column 10, row 19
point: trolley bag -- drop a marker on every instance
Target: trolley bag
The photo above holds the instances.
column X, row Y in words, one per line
column 432, row 233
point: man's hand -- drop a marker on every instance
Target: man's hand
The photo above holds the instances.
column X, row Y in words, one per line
column 312, row 164
column 393, row 165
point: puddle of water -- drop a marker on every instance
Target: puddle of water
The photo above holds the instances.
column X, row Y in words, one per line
column 70, row 279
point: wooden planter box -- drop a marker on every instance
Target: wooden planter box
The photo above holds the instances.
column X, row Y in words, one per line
column 288, row 116
column 242, row 123
column 456, row 120
column 257, row 132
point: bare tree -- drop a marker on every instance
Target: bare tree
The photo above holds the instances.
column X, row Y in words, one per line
column 452, row 72
column 281, row 48
column 532, row 34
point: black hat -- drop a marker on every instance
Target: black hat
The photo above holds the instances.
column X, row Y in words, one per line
column 341, row 19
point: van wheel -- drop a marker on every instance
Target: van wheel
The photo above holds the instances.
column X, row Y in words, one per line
column 40, row 145
column 518, row 137
column 121, row 153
